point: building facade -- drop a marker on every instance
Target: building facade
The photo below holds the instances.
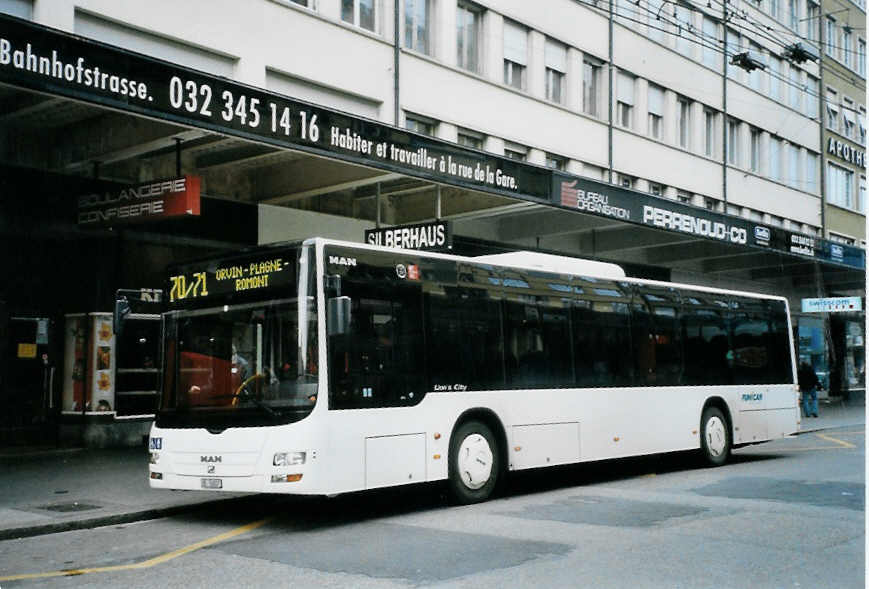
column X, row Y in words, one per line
column 683, row 141
column 842, row 28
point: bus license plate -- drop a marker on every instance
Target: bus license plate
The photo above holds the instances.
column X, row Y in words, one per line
column 212, row 483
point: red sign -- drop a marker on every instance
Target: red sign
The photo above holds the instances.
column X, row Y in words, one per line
column 162, row 199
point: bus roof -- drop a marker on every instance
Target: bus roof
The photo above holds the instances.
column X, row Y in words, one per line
column 539, row 262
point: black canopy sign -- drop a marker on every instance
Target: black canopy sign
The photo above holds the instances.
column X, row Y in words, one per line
column 35, row 57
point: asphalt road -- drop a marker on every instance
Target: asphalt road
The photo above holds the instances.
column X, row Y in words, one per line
column 786, row 514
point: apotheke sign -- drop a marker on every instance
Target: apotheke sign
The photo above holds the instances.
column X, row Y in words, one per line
column 846, row 152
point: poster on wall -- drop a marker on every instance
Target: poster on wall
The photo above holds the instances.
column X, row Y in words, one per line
column 88, row 363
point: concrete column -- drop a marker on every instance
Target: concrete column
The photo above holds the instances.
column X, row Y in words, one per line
column 537, row 156
column 573, row 80
column 671, row 118
column 744, row 146
column 575, row 167
column 447, row 132
column 330, row 8
column 536, row 75
column 493, row 46
column 445, row 31
column 763, row 168
column 494, row 145
column 641, row 106
column 641, row 184
column 698, row 129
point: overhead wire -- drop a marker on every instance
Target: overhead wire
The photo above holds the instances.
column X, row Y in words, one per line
column 620, row 10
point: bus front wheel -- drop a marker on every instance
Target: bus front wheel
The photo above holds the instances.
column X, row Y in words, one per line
column 474, row 463
column 715, row 438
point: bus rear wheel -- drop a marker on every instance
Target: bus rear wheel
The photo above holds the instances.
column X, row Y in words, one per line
column 715, row 441
column 474, row 463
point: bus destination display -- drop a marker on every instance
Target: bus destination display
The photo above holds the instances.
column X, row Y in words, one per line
column 231, row 276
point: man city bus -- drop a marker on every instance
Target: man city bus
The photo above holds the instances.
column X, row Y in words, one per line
column 327, row 367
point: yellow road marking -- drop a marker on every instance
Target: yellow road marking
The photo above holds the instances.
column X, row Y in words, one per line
column 147, row 563
column 842, row 443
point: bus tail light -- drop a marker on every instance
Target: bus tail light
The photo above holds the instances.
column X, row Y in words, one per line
column 157, row 476
column 286, row 478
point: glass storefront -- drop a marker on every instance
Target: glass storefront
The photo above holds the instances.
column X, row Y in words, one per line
column 855, row 356
column 812, row 348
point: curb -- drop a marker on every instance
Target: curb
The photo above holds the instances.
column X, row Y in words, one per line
column 823, row 428
column 108, row 520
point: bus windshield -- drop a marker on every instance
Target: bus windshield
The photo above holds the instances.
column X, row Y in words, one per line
column 240, row 365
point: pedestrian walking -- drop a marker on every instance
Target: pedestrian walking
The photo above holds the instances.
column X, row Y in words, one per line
column 808, row 382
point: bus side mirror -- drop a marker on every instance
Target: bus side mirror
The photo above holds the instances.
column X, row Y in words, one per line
column 122, row 309
column 338, row 316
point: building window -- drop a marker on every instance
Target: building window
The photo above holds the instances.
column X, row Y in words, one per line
column 683, row 129
column 830, row 36
column 626, row 181
column 832, row 111
column 361, row 13
column 775, row 159
column 775, row 9
column 590, row 87
column 861, row 126
column 710, row 49
column 733, row 142
column 861, row 57
column 709, row 123
column 811, row 173
column 685, row 32
column 468, row 23
column 556, row 162
column 755, row 149
column 840, row 186
column 754, row 76
column 796, row 88
column 861, row 195
column 774, row 82
column 733, row 45
column 515, row 54
column 418, row 25
column 813, row 13
column 849, row 119
column 657, row 27
column 420, row 125
column 656, row 189
column 794, row 165
column 812, row 91
column 847, row 52
column 470, row 139
column 515, row 151
column 794, row 14
column 625, row 100
column 710, row 204
column 684, row 197
column 656, row 110
column 555, row 55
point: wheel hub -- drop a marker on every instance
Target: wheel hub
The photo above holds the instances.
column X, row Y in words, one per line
column 475, row 461
column 716, row 436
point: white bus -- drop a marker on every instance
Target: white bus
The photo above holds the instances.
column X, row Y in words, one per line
column 328, row 367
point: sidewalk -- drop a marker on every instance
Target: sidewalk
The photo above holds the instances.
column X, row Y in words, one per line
column 835, row 413
column 49, row 491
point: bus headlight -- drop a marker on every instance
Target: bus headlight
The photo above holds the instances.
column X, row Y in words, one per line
column 288, row 458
